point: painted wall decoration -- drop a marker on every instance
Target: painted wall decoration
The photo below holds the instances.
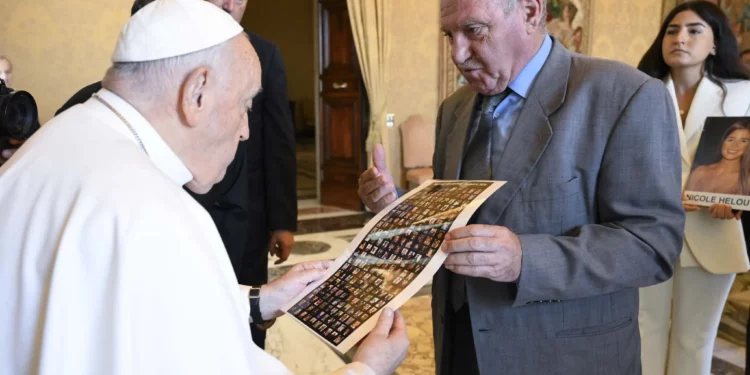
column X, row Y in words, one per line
column 570, row 22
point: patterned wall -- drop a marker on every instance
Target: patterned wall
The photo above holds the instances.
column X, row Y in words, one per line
column 57, row 47
column 623, row 30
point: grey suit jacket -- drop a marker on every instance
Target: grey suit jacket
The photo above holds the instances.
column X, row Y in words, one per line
column 593, row 191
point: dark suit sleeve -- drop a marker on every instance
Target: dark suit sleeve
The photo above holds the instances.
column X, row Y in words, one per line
column 227, row 203
column 280, row 159
column 80, row 97
column 641, row 218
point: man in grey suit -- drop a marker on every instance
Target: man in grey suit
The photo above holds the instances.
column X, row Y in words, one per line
column 545, row 279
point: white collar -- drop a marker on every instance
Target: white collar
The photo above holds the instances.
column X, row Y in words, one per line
column 158, row 150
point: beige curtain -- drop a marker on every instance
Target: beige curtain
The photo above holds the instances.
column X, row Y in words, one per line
column 370, row 21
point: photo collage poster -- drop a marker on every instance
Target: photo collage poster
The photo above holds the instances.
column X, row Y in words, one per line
column 721, row 168
column 391, row 258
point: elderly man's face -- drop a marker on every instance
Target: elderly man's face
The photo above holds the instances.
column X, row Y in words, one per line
column 488, row 46
column 234, row 7
column 6, row 72
column 226, row 122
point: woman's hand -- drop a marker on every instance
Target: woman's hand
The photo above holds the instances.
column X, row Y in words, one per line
column 723, row 212
column 689, row 207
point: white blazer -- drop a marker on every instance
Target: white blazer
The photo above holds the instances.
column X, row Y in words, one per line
column 717, row 245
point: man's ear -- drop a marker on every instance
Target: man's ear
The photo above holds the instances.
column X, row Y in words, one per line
column 193, row 96
column 533, row 12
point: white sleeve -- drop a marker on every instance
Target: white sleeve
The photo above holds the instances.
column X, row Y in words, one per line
column 356, row 368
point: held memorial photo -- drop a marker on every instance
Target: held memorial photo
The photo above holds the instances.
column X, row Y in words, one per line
column 721, row 172
column 396, row 254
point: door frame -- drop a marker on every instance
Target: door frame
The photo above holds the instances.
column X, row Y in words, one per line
column 316, row 101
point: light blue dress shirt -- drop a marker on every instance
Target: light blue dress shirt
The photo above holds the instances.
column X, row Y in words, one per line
column 506, row 113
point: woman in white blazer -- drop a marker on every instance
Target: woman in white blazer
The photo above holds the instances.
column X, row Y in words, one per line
column 697, row 57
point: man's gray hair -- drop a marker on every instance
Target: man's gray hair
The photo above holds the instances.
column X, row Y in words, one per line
column 510, row 5
column 158, row 75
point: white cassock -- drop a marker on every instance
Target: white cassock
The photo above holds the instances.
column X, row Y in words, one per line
column 107, row 266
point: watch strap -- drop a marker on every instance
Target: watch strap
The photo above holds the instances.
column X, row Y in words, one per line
column 254, row 297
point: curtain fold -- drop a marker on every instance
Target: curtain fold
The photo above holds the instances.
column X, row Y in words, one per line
column 370, row 21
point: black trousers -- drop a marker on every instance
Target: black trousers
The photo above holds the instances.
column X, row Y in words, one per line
column 462, row 359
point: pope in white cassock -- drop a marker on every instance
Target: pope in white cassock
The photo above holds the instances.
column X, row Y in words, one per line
column 106, row 265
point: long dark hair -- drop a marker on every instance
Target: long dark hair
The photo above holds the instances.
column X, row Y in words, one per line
column 745, row 161
column 725, row 65
column 138, row 4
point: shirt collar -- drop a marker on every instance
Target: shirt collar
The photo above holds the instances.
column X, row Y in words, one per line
column 158, row 150
column 525, row 79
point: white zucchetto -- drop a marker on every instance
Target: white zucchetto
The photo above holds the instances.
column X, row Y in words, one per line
column 170, row 28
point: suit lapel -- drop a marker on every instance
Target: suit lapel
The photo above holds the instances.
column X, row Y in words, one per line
column 531, row 132
column 457, row 139
column 680, row 130
column 736, row 102
column 705, row 103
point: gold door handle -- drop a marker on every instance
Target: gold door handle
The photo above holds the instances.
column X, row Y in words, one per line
column 339, row 86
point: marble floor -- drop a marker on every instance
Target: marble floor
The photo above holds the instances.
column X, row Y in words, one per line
column 324, row 233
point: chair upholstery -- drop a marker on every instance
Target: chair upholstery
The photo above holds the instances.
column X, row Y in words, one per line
column 419, row 175
column 418, row 143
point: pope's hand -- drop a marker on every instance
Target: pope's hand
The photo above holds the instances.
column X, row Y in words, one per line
column 376, row 187
column 488, row 251
column 387, row 344
column 277, row 293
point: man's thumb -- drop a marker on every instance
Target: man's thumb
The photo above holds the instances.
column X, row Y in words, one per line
column 310, row 275
column 385, row 322
column 378, row 158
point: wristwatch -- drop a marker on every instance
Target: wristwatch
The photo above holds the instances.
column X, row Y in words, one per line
column 255, row 316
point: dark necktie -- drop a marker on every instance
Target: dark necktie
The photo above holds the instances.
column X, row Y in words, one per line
column 477, row 165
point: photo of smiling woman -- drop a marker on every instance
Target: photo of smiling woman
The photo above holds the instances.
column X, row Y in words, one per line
column 724, row 167
column 697, row 57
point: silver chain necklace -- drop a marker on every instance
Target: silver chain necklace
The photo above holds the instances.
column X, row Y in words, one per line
column 137, row 138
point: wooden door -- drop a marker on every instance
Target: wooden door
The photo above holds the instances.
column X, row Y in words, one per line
column 343, row 108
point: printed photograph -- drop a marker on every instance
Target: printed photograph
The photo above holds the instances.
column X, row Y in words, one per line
column 722, row 161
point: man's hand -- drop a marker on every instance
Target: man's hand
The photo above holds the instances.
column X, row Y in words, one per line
column 6, row 154
column 376, row 187
column 279, row 292
column 723, row 212
column 281, row 245
column 488, row 251
column 386, row 346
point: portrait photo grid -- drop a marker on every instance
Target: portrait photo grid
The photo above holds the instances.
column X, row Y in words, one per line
column 389, row 258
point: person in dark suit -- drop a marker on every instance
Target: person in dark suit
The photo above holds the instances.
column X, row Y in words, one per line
column 255, row 205
column 545, row 278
